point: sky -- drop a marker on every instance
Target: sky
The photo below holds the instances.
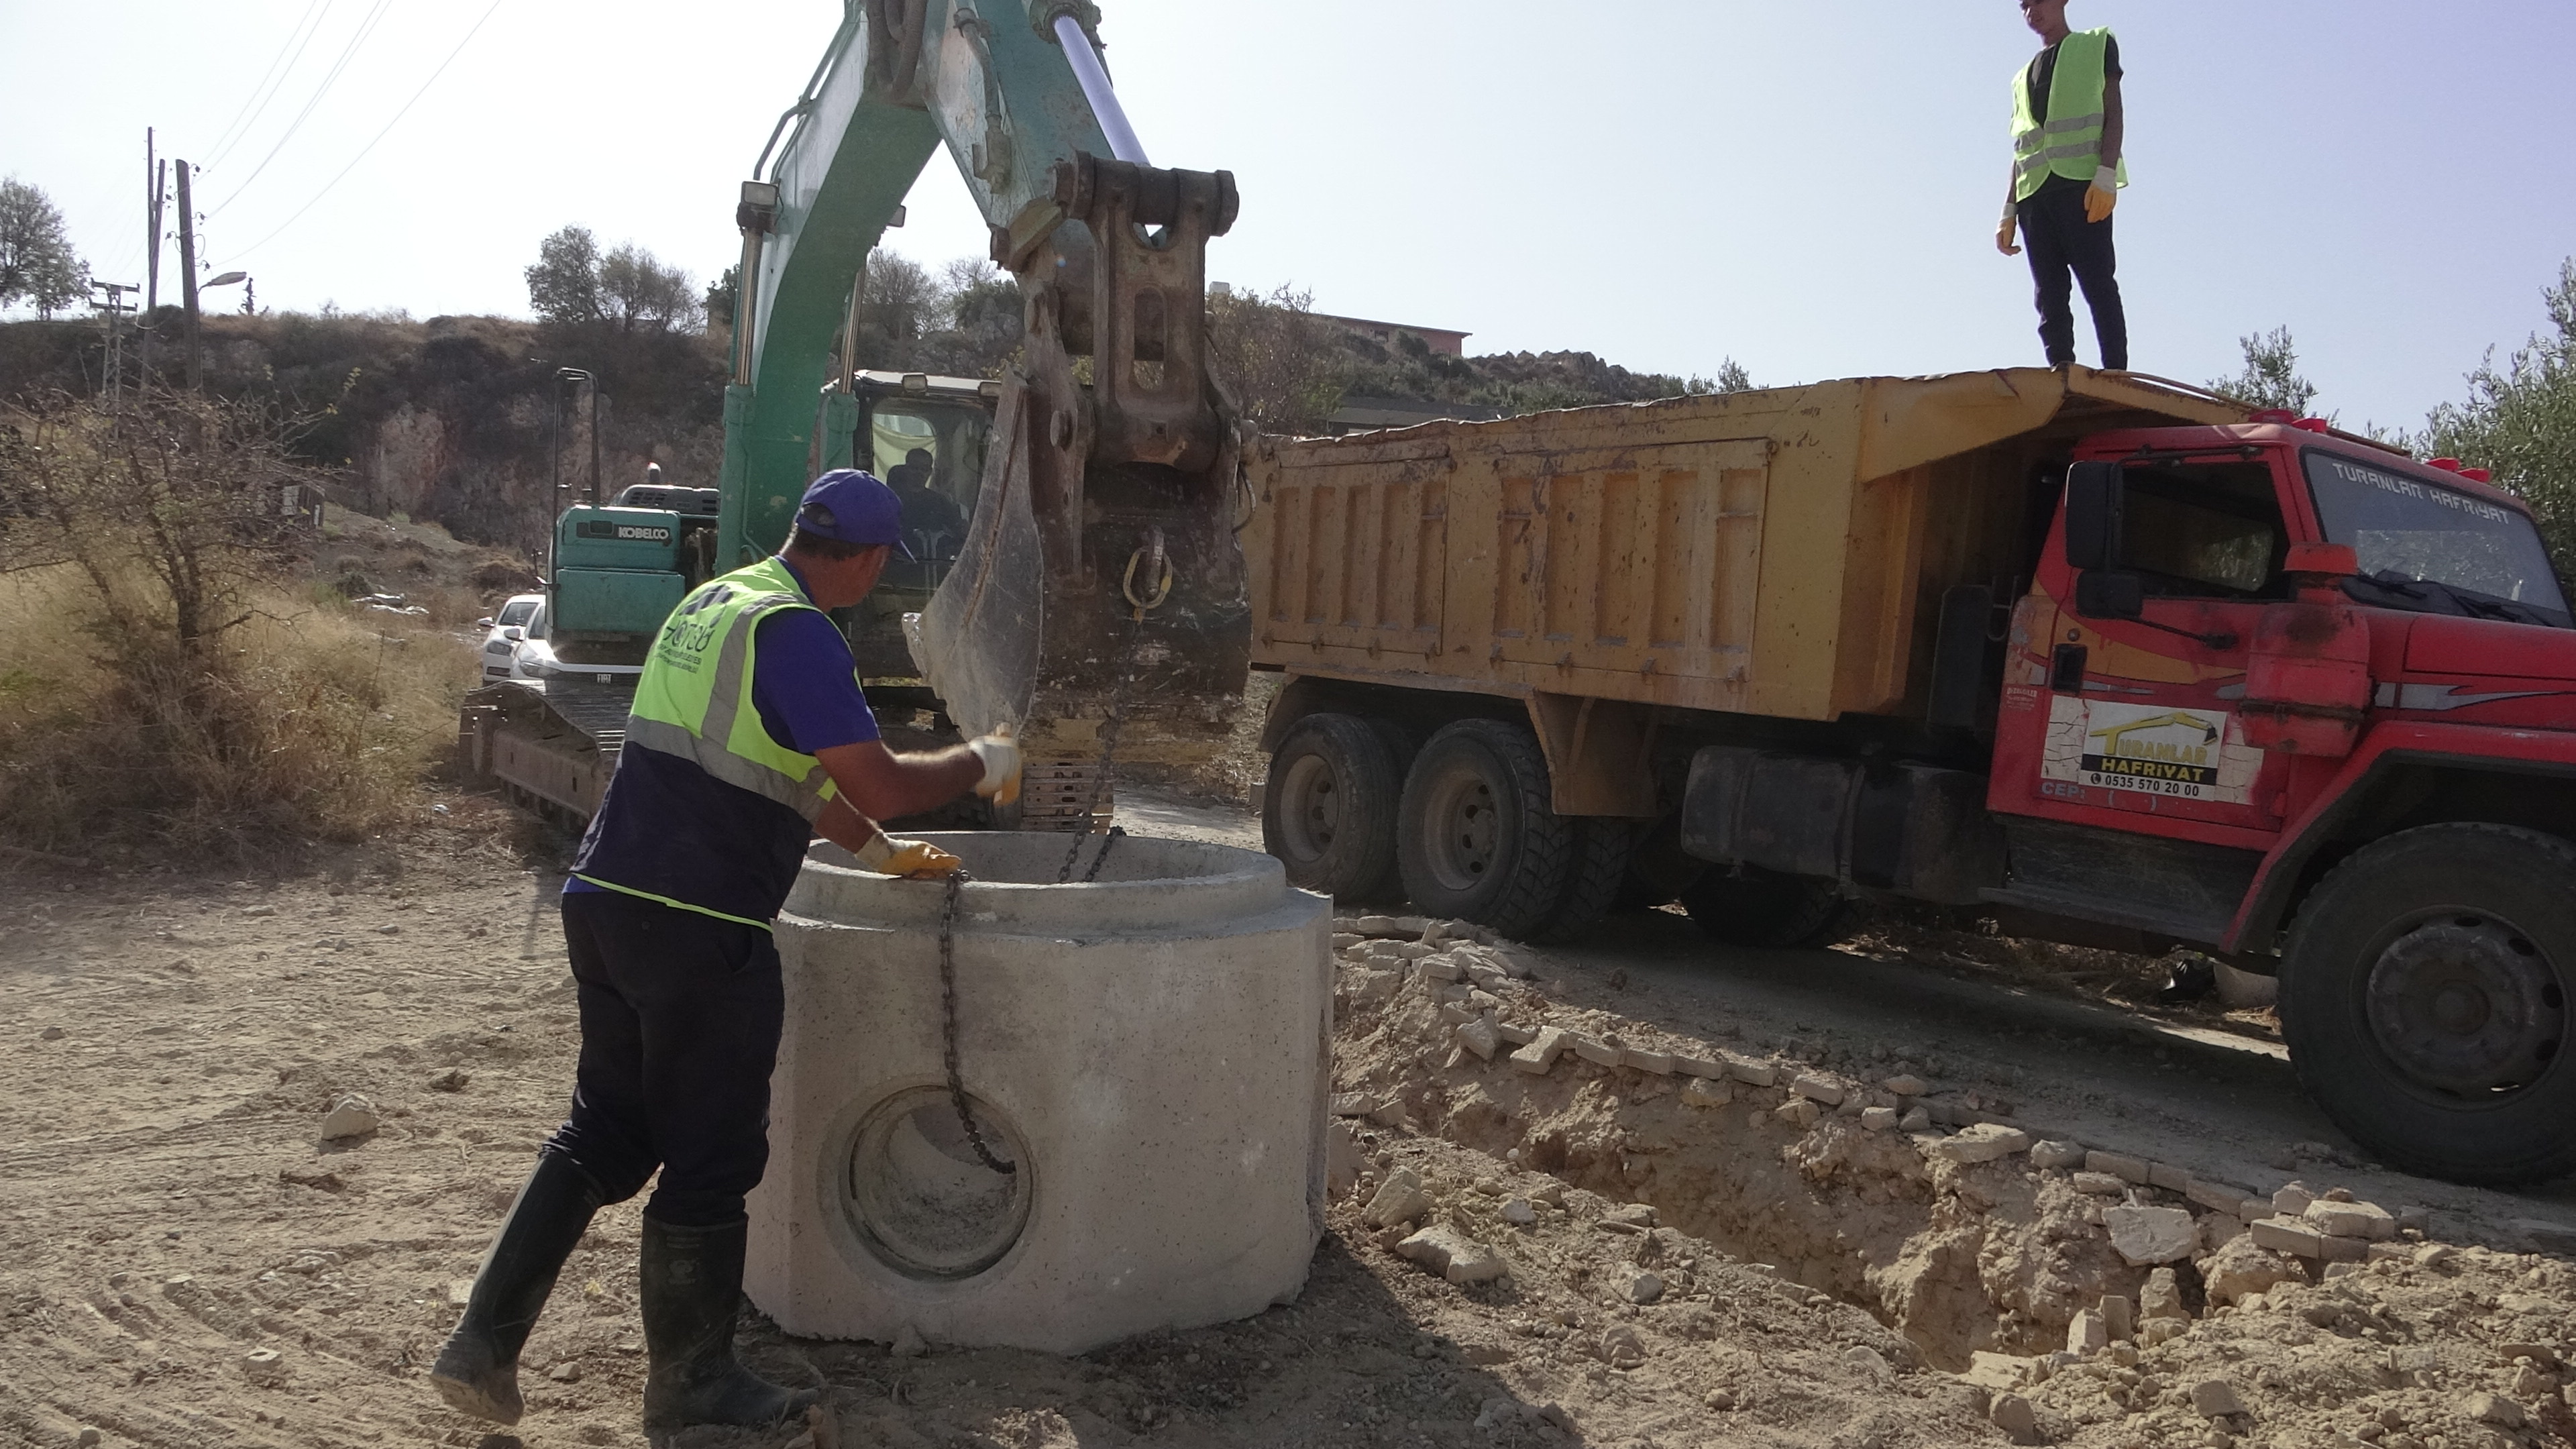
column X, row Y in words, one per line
column 1809, row 187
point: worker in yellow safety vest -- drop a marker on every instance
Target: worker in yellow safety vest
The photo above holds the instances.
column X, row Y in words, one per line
column 749, row 736
column 2068, row 131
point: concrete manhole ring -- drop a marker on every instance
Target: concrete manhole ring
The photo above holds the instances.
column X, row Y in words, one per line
column 921, row 1199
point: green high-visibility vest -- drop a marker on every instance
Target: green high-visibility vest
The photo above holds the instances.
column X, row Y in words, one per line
column 694, row 699
column 2070, row 142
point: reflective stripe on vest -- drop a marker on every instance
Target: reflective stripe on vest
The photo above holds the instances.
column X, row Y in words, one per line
column 694, row 699
column 2070, row 142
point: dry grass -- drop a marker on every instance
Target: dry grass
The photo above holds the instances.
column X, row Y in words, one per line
column 313, row 722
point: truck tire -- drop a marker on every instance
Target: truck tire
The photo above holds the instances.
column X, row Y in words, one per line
column 1329, row 812
column 1765, row 909
column 2424, row 997
column 1600, row 873
column 1476, row 838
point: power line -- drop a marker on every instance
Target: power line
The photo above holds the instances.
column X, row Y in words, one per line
column 366, row 28
column 379, row 136
column 256, row 104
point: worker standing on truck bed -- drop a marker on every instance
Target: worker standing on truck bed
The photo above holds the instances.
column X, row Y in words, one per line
column 2068, row 132
column 749, row 735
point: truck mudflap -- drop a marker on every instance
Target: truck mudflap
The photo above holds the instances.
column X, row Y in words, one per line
column 551, row 748
column 1099, row 606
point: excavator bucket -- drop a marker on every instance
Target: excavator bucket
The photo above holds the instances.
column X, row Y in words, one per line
column 1099, row 606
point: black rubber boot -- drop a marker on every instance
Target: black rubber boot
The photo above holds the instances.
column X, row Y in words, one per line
column 478, row 1371
column 692, row 1282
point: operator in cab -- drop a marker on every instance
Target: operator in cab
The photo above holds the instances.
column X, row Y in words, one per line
column 749, row 735
column 932, row 521
column 2069, row 128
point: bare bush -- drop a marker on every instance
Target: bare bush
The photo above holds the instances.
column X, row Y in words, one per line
column 164, row 681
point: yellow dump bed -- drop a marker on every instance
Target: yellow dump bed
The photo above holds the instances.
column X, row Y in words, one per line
column 1780, row 552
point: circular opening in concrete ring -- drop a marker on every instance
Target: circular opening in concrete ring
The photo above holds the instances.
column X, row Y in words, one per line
column 919, row 1196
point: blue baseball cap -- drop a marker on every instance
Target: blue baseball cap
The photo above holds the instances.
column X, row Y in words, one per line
column 848, row 506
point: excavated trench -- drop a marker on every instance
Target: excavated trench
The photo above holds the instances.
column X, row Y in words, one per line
column 1957, row 1257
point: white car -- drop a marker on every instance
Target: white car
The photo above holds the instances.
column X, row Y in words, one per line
column 532, row 657
column 506, row 629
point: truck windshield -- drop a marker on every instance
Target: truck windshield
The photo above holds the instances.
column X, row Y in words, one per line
column 2480, row 556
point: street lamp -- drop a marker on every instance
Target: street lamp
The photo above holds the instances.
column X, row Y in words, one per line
column 250, row 293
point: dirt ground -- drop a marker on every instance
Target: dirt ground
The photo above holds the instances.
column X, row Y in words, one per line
column 184, row 1262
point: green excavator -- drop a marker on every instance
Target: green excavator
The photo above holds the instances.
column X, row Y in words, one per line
column 1077, row 575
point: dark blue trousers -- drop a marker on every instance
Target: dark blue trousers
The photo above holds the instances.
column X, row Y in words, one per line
column 2065, row 249
column 680, row 1016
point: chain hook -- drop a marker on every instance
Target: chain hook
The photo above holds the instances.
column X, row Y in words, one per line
column 1157, row 564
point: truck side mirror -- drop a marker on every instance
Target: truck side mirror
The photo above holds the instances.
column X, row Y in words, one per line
column 514, row 633
column 2094, row 493
column 2106, row 594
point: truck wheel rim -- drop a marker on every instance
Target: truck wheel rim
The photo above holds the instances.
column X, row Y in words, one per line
column 1465, row 829
column 2467, row 1005
column 1310, row 808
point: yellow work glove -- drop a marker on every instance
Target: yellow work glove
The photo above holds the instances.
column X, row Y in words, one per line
column 911, row 859
column 2004, row 234
column 2105, row 195
column 1000, row 755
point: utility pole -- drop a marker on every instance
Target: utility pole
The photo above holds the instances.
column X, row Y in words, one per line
column 156, row 182
column 113, row 309
column 188, row 272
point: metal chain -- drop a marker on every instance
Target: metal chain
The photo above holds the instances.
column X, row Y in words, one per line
column 1108, row 762
column 948, row 1025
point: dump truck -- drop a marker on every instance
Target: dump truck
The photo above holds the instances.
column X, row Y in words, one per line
column 2110, row 660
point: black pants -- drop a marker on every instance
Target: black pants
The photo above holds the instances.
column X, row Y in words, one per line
column 680, row 1015
column 2066, row 249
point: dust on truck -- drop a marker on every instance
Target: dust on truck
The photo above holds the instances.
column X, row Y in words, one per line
column 2111, row 660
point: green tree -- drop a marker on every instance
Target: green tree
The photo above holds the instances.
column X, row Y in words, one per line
column 37, row 263
column 640, row 292
column 2271, row 376
column 2520, row 420
column 1285, row 367
column 723, row 294
column 563, row 286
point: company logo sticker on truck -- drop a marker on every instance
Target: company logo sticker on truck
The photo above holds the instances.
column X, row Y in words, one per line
column 2182, row 754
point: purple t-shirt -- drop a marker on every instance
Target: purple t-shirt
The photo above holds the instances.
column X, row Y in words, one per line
column 669, row 830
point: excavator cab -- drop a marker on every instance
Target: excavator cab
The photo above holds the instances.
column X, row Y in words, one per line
column 926, row 436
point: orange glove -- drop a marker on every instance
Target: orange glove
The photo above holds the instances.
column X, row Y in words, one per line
column 2104, row 196
column 1000, row 755
column 911, row 859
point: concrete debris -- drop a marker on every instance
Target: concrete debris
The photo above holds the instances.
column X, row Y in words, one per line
column 264, row 1367
column 2157, row 1331
column 1818, row 1089
column 1917, row 1120
column 2493, row 1409
column 1700, row 1067
column 2119, row 1317
column 1400, row 1199
column 1799, row 1113
column 1519, row 1213
column 2216, row 1399
column 2245, row 1267
column 1878, row 1119
column 2145, row 1236
column 2086, row 1333
column 2119, row 1165
column 1752, row 1073
column 2161, row 1297
column 1984, row 1142
column 1655, row 1063
column 2287, row 1235
column 1906, row 1086
column 2053, row 1156
column 1599, row 1053
column 2292, row 1200
column 1539, row 1057
column 2218, row 1197
column 2168, row 1177
column 1479, row 1036
column 1646, row 1288
column 1453, row 1255
column 2352, row 1220
column 350, row 1116
column 2099, row 1184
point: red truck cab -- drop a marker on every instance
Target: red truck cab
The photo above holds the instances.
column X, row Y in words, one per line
column 2311, row 704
